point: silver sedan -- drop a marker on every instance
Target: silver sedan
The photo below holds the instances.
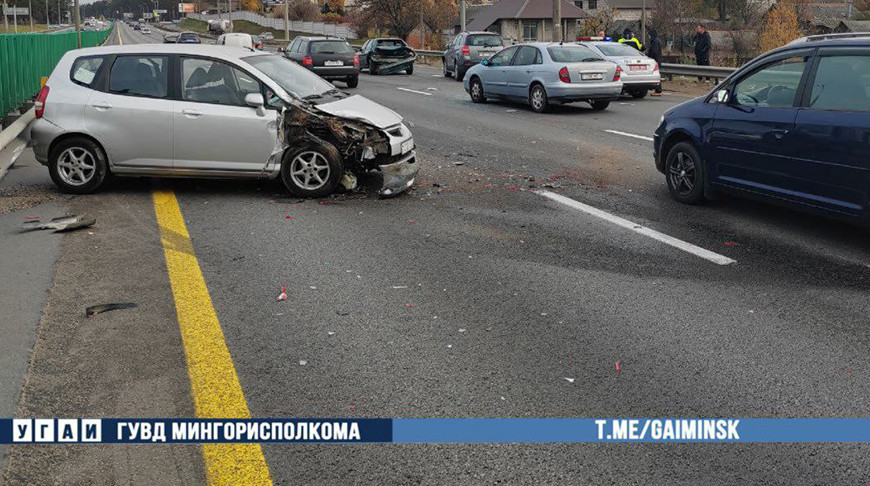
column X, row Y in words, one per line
column 544, row 73
column 640, row 73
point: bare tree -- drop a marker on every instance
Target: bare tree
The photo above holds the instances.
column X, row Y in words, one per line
column 671, row 17
column 401, row 17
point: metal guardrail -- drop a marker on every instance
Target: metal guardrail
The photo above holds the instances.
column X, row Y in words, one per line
column 715, row 72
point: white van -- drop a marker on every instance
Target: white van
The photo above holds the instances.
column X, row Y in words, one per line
column 238, row 40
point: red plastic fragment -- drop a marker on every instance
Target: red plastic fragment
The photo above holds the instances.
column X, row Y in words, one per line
column 283, row 295
column 618, row 367
column 732, row 243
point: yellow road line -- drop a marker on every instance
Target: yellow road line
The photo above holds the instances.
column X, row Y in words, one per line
column 213, row 379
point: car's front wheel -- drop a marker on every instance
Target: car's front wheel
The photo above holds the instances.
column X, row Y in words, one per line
column 78, row 166
column 410, row 70
column 312, row 171
column 538, row 99
column 638, row 93
column 684, row 171
column 372, row 69
column 476, row 88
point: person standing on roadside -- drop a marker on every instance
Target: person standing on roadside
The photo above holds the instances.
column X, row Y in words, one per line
column 703, row 44
column 654, row 51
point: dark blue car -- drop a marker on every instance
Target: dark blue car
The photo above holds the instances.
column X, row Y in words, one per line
column 790, row 127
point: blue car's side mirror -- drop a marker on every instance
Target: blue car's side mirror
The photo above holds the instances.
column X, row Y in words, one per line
column 485, row 62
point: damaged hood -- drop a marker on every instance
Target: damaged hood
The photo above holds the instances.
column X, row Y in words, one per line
column 362, row 109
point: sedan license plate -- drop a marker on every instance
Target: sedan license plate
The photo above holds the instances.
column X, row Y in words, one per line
column 333, row 63
column 637, row 67
column 407, row 145
column 591, row 76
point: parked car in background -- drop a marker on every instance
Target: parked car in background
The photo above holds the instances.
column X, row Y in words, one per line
column 235, row 39
column 329, row 57
column 146, row 30
column 137, row 26
column 790, row 127
column 258, row 43
column 544, row 73
column 387, row 56
column 179, row 110
column 639, row 72
column 467, row 50
column 188, row 38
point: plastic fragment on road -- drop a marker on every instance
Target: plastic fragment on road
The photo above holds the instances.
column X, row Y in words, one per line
column 459, row 162
column 330, row 333
column 342, row 312
column 283, row 295
column 732, row 243
column 618, row 367
column 412, row 222
column 400, row 286
column 569, row 380
column 461, row 330
column 302, row 362
column 348, row 181
column 98, row 309
column 408, row 305
column 288, row 217
column 312, row 287
column 63, row 223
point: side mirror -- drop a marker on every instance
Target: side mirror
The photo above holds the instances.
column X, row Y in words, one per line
column 255, row 100
column 281, row 49
column 485, row 62
column 722, row 96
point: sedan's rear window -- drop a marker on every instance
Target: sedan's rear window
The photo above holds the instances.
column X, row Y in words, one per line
column 85, row 69
column 484, row 40
column 572, row 54
column 618, row 50
column 331, row 47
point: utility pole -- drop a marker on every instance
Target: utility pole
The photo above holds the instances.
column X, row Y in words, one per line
column 557, row 20
column 78, row 20
column 5, row 18
column 462, row 15
column 422, row 30
column 287, row 20
column 47, row 17
column 30, row 13
column 15, row 16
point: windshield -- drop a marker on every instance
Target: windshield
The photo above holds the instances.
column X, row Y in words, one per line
column 484, row 41
column 572, row 54
column 618, row 50
column 294, row 78
column 331, row 47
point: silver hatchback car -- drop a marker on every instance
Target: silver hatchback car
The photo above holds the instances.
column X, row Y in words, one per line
column 210, row 111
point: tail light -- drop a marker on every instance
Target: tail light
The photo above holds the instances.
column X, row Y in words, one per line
column 356, row 60
column 564, row 76
column 39, row 106
column 656, row 67
column 466, row 51
column 307, row 61
column 412, row 52
column 617, row 74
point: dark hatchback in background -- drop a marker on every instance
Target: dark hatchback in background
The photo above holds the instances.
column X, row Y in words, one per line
column 791, row 127
column 328, row 57
column 188, row 38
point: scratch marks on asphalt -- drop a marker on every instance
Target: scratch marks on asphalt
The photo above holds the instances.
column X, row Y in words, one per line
column 214, row 383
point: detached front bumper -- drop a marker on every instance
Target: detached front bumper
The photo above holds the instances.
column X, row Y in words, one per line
column 399, row 176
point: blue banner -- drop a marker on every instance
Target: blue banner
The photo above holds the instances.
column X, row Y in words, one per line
column 434, row 430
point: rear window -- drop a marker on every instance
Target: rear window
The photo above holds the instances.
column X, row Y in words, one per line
column 390, row 42
column 331, row 47
column 84, row 70
column 483, row 40
column 572, row 54
column 188, row 36
column 618, row 50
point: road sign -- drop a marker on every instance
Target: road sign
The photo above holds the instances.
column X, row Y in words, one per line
column 16, row 11
column 187, row 7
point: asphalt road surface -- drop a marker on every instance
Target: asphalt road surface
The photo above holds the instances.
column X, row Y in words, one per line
column 472, row 296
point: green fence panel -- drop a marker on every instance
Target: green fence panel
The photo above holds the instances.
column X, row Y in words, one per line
column 26, row 58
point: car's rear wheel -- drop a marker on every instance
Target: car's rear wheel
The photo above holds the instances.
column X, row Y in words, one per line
column 638, row 93
column 312, row 171
column 477, row 93
column 599, row 105
column 78, row 165
column 352, row 81
column 445, row 71
column 684, row 171
column 538, row 99
column 372, row 69
column 457, row 73
column 410, row 70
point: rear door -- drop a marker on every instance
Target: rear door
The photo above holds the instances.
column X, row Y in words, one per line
column 832, row 133
column 132, row 117
column 215, row 130
column 520, row 72
column 752, row 140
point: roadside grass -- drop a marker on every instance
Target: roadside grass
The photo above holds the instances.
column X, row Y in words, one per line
column 23, row 28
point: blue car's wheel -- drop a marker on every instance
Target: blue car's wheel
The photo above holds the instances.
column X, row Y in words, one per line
column 476, row 88
column 538, row 99
column 684, row 171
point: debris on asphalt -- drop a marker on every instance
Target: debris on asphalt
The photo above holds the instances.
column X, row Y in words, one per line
column 349, row 181
column 459, row 162
column 732, row 243
column 98, row 309
column 408, row 305
column 412, row 222
column 342, row 312
column 283, row 295
column 330, row 333
column 618, row 367
column 302, row 362
column 400, row 286
column 63, row 223
column 288, row 217
column 312, row 287
column 569, row 380
column 449, row 346
column 461, row 330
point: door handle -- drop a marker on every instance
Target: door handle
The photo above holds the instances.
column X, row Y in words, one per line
column 778, row 133
column 191, row 113
column 102, row 105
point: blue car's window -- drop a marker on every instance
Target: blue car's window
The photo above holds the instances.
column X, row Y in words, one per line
column 773, row 86
column 526, row 56
column 503, row 57
column 842, row 83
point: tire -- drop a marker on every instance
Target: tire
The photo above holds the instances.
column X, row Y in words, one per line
column 410, row 70
column 599, row 105
column 538, row 99
column 352, row 81
column 457, row 73
column 477, row 93
column 372, row 69
column 298, row 173
column 78, row 166
column 445, row 71
column 638, row 93
column 684, row 173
